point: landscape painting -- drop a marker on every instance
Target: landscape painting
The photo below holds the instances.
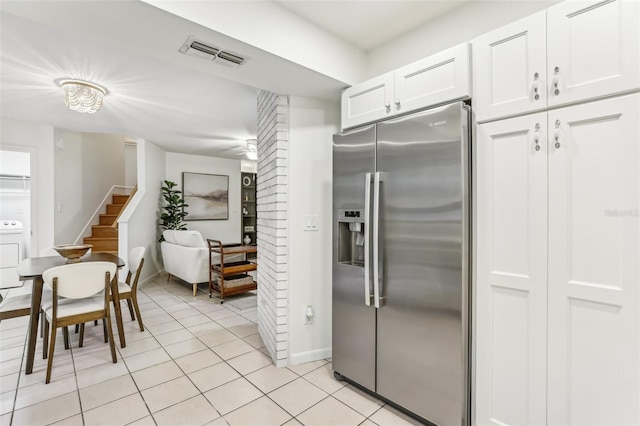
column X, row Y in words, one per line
column 207, row 196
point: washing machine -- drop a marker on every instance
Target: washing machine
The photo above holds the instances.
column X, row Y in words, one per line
column 11, row 252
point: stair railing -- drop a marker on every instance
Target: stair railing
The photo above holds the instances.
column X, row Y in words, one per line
column 124, row 206
column 94, row 220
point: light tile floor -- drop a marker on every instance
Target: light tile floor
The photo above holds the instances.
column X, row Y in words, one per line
column 197, row 362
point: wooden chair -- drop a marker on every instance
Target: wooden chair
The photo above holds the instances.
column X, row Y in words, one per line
column 129, row 291
column 16, row 303
column 81, row 293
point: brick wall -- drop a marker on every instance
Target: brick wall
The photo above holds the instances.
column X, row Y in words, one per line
column 273, row 234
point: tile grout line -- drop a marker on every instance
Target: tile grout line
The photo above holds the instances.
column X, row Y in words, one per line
column 173, row 360
column 75, row 373
column 165, row 294
column 223, row 361
column 15, row 396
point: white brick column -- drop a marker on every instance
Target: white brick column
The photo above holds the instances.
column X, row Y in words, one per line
column 273, row 224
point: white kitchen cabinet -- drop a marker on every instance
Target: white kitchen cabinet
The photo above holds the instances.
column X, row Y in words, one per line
column 431, row 81
column 368, row 101
column 511, row 287
column 593, row 49
column 510, row 69
column 558, row 267
column 594, row 263
column 439, row 78
column 572, row 52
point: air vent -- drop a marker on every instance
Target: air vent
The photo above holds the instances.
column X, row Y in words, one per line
column 204, row 48
column 200, row 49
column 230, row 57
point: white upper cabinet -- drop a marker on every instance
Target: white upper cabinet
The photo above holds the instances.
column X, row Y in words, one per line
column 431, row 81
column 439, row 78
column 573, row 51
column 510, row 69
column 593, row 49
column 368, row 101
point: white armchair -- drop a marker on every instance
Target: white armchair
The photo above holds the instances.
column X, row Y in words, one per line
column 185, row 255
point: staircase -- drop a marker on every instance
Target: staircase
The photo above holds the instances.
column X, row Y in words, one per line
column 104, row 237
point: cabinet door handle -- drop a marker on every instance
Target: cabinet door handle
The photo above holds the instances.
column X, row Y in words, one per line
column 536, row 86
column 556, row 134
column 387, row 105
column 556, row 80
column 536, row 137
column 397, row 103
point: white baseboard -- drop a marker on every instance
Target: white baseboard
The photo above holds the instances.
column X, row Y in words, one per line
column 150, row 278
column 302, row 357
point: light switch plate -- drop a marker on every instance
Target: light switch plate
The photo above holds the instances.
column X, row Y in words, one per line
column 311, row 222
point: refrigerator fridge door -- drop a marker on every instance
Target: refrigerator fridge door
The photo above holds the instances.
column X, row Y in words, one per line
column 354, row 322
column 422, row 162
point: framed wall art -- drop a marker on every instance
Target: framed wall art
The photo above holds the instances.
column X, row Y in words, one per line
column 207, row 196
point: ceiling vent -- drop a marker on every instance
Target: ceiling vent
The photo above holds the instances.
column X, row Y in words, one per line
column 200, row 49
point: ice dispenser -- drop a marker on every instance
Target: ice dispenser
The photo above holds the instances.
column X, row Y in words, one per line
column 351, row 237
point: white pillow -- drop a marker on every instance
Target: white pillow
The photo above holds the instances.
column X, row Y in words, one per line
column 189, row 239
column 169, row 235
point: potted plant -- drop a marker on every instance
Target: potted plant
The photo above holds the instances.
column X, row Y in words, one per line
column 173, row 215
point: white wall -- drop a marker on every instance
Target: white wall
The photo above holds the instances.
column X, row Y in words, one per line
column 138, row 225
column 102, row 167
column 87, row 165
column 459, row 25
column 248, row 166
column 38, row 140
column 67, row 158
column 274, row 29
column 312, row 125
column 227, row 231
column 130, row 164
column 15, row 163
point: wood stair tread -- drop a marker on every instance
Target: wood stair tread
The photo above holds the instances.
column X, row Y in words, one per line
column 104, row 237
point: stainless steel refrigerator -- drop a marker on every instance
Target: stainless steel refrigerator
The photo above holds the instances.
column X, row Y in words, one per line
column 401, row 209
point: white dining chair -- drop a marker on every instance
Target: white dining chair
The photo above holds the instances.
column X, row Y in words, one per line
column 128, row 290
column 80, row 293
column 16, row 302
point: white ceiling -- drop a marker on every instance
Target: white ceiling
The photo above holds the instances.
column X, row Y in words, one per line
column 181, row 103
column 369, row 24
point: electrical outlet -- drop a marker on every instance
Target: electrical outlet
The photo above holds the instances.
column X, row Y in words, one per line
column 308, row 315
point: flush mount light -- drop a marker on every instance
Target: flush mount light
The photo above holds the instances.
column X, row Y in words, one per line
column 83, row 96
column 252, row 149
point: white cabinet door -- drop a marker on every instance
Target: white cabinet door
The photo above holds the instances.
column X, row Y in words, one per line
column 368, row 101
column 510, row 69
column 593, row 49
column 511, row 284
column 434, row 80
column 594, row 258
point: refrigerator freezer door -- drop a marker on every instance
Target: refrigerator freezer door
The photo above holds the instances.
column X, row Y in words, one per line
column 354, row 323
column 421, row 322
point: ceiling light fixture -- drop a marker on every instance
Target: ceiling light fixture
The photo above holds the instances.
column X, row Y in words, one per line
column 252, row 153
column 83, row 96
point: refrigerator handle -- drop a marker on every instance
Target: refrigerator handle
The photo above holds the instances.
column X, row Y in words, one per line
column 367, row 240
column 378, row 178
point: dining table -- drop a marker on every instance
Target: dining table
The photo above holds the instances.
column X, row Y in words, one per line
column 33, row 268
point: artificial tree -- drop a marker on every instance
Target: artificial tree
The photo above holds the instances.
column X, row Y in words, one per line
column 173, row 215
